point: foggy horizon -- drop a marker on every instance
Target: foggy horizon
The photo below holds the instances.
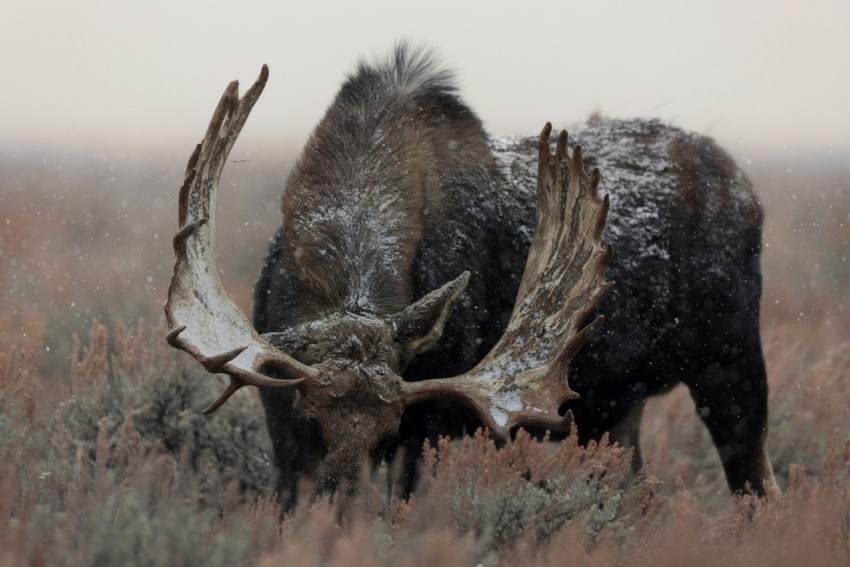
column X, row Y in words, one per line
column 761, row 78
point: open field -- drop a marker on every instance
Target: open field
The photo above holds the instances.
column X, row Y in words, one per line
column 106, row 459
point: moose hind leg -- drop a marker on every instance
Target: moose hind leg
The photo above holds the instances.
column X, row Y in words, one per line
column 731, row 399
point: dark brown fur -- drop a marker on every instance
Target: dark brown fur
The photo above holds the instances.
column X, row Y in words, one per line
column 399, row 190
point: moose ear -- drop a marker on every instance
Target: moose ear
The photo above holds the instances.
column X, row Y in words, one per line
column 421, row 324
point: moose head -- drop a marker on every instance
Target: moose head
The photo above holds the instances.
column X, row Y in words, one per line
column 346, row 368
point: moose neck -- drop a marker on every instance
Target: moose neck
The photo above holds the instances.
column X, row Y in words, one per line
column 353, row 212
column 375, row 167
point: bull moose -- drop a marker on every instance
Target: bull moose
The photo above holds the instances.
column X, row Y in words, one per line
column 392, row 306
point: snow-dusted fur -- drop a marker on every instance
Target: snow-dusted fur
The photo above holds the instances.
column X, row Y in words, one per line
column 399, row 190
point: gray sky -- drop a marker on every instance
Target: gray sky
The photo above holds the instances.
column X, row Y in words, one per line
column 758, row 76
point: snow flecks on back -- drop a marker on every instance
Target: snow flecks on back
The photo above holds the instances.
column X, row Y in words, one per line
column 636, row 174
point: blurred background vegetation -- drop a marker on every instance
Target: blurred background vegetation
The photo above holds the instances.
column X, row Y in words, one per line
column 106, row 458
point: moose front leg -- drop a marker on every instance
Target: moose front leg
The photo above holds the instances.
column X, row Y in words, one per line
column 294, row 441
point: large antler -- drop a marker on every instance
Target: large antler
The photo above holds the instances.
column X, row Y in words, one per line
column 523, row 379
column 202, row 319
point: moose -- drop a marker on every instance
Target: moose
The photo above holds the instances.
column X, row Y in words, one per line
column 392, row 306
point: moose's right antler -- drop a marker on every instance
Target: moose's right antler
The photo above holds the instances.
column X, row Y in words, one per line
column 202, row 319
column 523, row 379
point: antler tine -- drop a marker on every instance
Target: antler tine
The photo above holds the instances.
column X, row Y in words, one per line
column 193, row 160
column 522, row 380
column 545, row 196
column 226, row 104
column 203, row 320
column 231, row 389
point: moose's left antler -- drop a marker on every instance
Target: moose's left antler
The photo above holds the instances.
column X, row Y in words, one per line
column 523, row 379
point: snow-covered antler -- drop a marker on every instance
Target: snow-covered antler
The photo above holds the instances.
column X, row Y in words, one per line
column 202, row 319
column 523, row 379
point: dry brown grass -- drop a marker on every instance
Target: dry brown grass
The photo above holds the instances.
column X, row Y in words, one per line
column 105, row 458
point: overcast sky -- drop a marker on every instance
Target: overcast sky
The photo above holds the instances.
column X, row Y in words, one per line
column 758, row 75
